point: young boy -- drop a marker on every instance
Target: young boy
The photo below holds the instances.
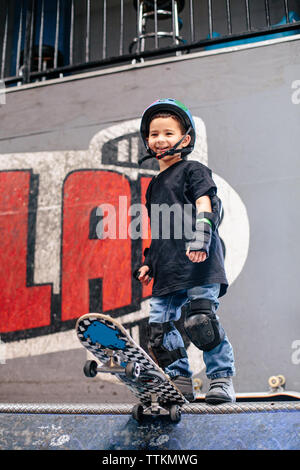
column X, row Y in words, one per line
column 188, row 269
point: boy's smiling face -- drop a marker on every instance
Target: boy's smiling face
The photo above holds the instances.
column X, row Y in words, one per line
column 164, row 133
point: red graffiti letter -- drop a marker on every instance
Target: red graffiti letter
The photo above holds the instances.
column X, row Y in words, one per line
column 93, row 267
column 21, row 306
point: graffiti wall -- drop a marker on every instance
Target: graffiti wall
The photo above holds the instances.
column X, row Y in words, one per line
column 70, row 147
column 57, row 266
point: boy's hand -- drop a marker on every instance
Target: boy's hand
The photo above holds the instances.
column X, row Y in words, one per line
column 196, row 256
column 143, row 277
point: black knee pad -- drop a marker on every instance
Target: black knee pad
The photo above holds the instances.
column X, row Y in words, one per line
column 201, row 324
column 162, row 356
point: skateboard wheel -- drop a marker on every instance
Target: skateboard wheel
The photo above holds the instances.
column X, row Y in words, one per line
column 175, row 413
column 282, row 379
column 132, row 370
column 274, row 381
column 197, row 384
column 90, row 368
column 138, row 412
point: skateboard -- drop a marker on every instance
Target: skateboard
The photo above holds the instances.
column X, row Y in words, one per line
column 118, row 354
column 276, row 392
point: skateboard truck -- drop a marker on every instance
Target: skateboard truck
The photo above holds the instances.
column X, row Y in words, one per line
column 112, row 366
column 155, row 409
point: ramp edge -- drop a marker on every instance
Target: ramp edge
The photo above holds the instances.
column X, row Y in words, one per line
column 124, row 409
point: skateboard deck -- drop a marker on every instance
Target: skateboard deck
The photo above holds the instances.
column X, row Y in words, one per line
column 269, row 396
column 120, row 355
column 261, row 397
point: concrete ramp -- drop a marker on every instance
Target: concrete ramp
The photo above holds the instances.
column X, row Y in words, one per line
column 245, row 426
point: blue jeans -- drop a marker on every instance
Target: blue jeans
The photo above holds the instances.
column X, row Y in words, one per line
column 219, row 361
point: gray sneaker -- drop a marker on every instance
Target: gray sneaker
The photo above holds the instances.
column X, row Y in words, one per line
column 185, row 385
column 220, row 391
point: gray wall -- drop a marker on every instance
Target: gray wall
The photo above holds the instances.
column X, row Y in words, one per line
column 248, row 120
